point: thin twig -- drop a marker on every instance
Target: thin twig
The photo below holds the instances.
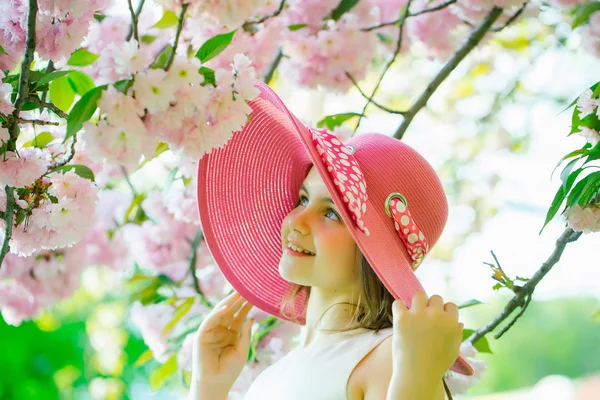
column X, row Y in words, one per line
column 247, row 24
column 133, row 29
column 179, row 27
column 8, row 217
column 37, row 122
column 268, row 75
column 192, row 267
column 50, row 106
column 512, row 18
column 25, row 68
column 384, row 108
column 388, row 65
column 68, row 158
column 126, row 175
column 456, row 58
column 49, row 69
column 523, row 295
column 427, row 10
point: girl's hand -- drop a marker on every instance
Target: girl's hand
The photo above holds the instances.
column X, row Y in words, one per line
column 221, row 345
column 426, row 337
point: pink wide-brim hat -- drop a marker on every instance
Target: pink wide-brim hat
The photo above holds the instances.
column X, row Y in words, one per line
column 248, row 187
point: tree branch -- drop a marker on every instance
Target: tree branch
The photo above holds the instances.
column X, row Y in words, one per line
column 268, row 75
column 427, row 10
column 384, row 108
column 246, row 26
column 524, row 293
column 133, row 29
column 24, row 77
column 388, row 65
column 192, row 267
column 179, row 27
column 456, row 58
column 8, row 217
column 512, row 18
column 37, row 122
column 50, row 106
column 68, row 158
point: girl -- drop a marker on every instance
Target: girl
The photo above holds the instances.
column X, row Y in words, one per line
column 327, row 235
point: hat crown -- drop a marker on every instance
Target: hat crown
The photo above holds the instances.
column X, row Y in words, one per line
column 390, row 165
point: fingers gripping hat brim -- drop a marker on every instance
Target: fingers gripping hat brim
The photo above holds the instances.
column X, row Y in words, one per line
column 246, row 189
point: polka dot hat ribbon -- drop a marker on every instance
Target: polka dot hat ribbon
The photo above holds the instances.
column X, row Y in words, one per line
column 346, row 175
column 415, row 242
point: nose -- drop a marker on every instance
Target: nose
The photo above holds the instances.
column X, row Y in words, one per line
column 298, row 222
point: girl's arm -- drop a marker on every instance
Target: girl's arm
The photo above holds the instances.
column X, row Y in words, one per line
column 409, row 386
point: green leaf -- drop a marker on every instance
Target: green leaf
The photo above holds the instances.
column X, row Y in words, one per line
column 593, row 154
column 80, row 82
column 581, row 14
column 148, row 39
column 596, row 316
column 99, row 17
column 331, row 121
column 168, row 20
column 209, row 76
column 40, row 141
column 385, row 39
column 559, row 197
column 81, row 170
column 61, row 93
column 163, row 58
column 481, row 345
column 82, row 58
column 50, row 77
column 579, row 189
column 143, row 358
column 214, row 46
column 342, row 8
column 83, row 110
column 590, row 189
column 180, row 312
column 295, row 27
column 472, row 302
column 159, row 376
column 2, row 51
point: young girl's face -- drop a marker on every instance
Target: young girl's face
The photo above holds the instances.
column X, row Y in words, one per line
column 315, row 225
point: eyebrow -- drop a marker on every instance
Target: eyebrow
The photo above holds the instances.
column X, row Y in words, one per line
column 325, row 199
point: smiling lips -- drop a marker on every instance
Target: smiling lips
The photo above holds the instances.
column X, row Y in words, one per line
column 293, row 248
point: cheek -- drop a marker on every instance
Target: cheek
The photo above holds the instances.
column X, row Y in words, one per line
column 338, row 250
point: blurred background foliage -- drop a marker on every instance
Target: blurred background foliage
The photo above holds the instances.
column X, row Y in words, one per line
column 54, row 357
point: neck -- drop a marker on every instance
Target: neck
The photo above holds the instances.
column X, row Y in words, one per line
column 322, row 302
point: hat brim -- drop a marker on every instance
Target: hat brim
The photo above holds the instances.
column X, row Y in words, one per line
column 246, row 189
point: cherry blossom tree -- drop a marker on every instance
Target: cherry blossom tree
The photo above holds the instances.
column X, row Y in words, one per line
column 88, row 99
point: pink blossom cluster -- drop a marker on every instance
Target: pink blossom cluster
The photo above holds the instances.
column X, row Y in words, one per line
column 230, row 13
column 171, row 106
column 587, row 105
column 6, row 107
column 29, row 285
column 323, row 52
column 181, row 198
column 591, row 34
column 198, row 119
column 54, row 224
column 458, row 383
column 584, row 219
column 60, row 27
column 22, row 168
column 259, row 45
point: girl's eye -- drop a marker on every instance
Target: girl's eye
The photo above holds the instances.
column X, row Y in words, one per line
column 329, row 210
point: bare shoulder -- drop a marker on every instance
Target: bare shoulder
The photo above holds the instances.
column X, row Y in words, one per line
column 373, row 373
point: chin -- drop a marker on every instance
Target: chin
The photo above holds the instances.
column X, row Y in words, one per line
column 293, row 273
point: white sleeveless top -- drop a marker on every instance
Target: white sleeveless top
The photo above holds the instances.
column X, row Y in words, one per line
column 317, row 372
